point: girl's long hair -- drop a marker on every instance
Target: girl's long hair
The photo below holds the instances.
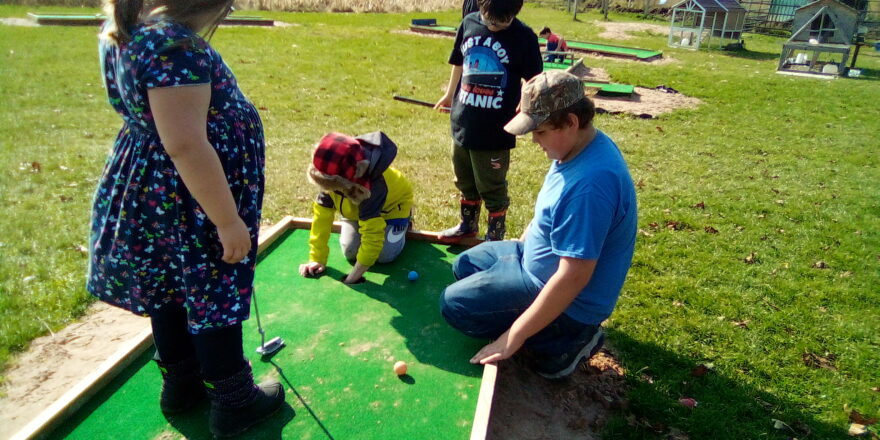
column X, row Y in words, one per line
column 122, row 15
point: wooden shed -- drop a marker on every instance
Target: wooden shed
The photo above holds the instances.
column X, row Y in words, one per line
column 698, row 22
column 822, row 36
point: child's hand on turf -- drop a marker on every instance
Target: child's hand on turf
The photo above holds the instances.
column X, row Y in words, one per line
column 311, row 269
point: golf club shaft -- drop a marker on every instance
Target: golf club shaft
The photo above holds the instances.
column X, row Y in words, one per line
column 415, row 101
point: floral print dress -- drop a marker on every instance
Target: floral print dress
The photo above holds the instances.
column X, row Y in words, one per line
column 151, row 244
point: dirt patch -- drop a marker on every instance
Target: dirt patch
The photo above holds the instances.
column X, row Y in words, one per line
column 55, row 363
column 423, row 34
column 623, row 31
column 527, row 406
column 18, row 22
column 645, row 103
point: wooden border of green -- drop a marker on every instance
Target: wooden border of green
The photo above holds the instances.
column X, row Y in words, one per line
column 72, row 400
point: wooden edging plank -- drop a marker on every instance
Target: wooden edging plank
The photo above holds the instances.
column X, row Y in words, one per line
column 72, row 400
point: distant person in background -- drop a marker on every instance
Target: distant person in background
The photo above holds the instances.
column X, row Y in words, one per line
column 555, row 43
column 177, row 211
column 469, row 6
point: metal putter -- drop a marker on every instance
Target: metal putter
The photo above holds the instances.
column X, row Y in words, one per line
column 274, row 344
column 268, row 348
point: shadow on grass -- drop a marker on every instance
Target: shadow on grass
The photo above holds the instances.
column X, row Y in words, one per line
column 419, row 320
column 750, row 55
column 726, row 409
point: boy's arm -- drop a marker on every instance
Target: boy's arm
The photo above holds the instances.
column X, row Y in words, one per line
column 446, row 100
column 563, row 287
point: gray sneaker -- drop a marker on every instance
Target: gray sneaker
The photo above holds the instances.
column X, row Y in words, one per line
column 562, row 365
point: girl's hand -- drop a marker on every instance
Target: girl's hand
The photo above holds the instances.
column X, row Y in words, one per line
column 311, row 269
column 236, row 241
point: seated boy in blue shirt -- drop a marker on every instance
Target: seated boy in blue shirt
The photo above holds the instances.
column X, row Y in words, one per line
column 550, row 291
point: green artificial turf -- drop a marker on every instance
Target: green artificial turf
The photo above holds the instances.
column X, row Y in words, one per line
column 342, row 342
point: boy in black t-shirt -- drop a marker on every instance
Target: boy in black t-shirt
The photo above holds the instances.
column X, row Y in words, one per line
column 493, row 53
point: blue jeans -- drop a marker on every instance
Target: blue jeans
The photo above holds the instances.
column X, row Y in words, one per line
column 493, row 290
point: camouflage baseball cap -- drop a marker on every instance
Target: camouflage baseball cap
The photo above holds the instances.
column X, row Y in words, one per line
column 542, row 95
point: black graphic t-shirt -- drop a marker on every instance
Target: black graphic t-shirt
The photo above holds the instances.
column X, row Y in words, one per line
column 493, row 65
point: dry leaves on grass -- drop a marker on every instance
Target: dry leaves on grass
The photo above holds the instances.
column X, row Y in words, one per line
column 815, row 361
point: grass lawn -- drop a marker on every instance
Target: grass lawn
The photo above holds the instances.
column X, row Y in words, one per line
column 759, row 245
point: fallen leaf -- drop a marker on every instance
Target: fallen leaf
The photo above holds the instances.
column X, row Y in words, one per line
column 688, row 402
column 699, row 371
column 857, row 417
column 875, row 389
column 751, row 258
column 640, row 183
column 654, row 225
column 820, row 265
column 645, row 233
column 660, row 129
column 700, row 205
column 857, row 430
column 741, row 324
column 779, row 424
column 36, row 167
column 262, row 108
column 678, row 303
column 710, row 230
column 815, row 361
column 780, row 202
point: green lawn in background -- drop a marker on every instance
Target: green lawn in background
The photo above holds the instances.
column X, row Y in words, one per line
column 759, row 210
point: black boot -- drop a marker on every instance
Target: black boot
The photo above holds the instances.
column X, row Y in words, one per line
column 238, row 404
column 497, row 226
column 470, row 213
column 181, row 385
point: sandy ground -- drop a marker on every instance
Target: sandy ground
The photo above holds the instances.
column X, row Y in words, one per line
column 55, row 363
column 646, row 102
column 528, row 407
column 18, row 22
column 525, row 406
column 621, row 31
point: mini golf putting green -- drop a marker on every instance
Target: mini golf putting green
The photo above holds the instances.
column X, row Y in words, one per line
column 574, row 46
column 342, row 342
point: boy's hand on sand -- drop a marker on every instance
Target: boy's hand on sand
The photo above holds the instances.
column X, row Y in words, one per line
column 443, row 104
column 236, row 241
column 311, row 269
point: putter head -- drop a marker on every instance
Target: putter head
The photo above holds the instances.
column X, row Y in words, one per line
column 271, row 346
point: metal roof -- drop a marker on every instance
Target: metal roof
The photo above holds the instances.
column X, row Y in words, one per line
column 716, row 5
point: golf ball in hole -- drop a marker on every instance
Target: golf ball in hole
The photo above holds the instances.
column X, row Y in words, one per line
column 413, row 275
column 400, row 368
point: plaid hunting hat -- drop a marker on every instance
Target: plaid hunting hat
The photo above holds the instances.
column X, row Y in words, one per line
column 541, row 96
column 340, row 163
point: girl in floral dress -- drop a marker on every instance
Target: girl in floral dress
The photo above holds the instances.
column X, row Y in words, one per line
column 177, row 211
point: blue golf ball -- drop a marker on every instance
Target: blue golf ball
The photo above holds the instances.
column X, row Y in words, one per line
column 413, row 275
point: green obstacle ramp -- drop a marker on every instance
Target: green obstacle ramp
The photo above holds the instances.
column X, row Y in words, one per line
column 336, row 367
column 611, row 50
column 433, row 29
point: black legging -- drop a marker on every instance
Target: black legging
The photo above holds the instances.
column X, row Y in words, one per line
column 218, row 351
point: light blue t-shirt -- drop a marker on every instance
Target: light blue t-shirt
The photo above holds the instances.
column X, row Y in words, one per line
column 587, row 210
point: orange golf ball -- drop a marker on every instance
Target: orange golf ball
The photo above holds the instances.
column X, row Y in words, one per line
column 400, row 368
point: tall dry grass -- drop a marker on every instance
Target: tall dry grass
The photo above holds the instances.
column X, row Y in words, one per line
column 295, row 5
column 349, row 5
